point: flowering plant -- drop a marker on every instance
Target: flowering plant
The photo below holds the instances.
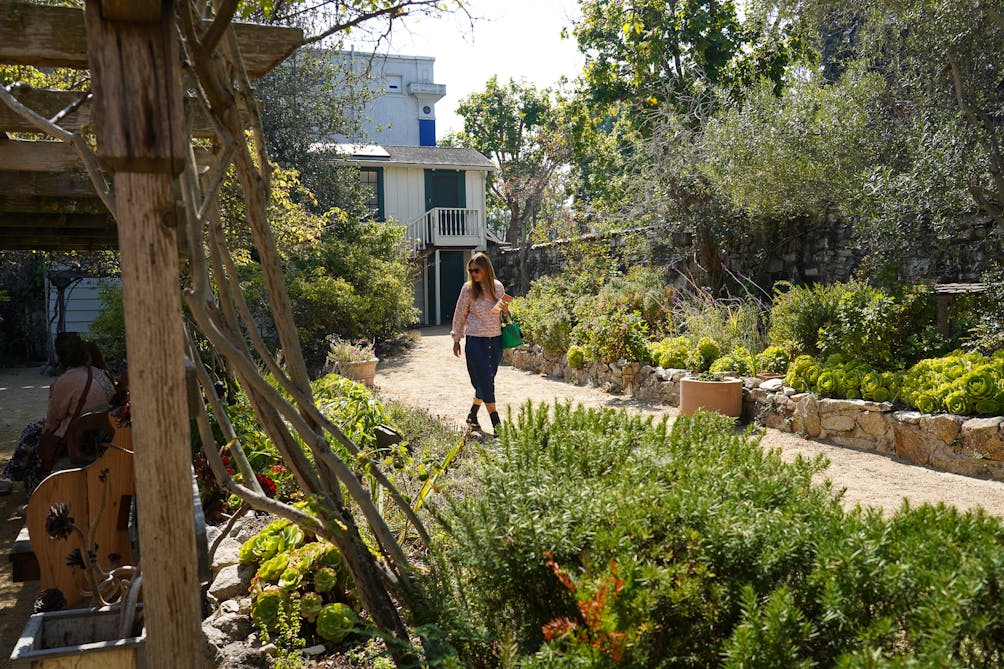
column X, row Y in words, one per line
column 340, row 350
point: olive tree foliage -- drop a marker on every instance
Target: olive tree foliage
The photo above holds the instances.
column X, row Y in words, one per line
column 518, row 126
column 655, row 71
column 341, row 505
column 308, row 99
column 936, row 122
column 802, row 152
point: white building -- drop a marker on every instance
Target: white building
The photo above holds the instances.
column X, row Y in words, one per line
column 402, row 111
column 439, row 193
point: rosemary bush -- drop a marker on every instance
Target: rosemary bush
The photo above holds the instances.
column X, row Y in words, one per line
column 596, row 538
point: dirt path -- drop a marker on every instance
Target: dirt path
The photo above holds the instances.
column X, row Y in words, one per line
column 430, row 378
column 23, row 394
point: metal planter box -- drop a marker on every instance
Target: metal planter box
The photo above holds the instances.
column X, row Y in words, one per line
column 77, row 638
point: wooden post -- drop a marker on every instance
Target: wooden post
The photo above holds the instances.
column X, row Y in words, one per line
column 139, row 126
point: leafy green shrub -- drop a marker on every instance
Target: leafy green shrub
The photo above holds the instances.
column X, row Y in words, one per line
column 546, row 313
column 883, row 330
column 739, row 361
column 355, row 285
column 798, row 314
column 108, row 328
column 773, row 360
column 703, row 354
column 671, row 352
column 595, row 538
column 611, row 336
column 576, row 356
column 641, row 291
column 984, row 316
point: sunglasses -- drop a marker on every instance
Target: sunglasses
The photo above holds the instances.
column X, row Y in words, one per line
column 474, row 270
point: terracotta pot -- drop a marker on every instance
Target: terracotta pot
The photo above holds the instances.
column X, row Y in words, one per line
column 767, row 376
column 725, row 396
column 362, row 371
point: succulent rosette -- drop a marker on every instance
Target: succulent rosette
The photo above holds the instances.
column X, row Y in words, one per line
column 335, row 621
column 990, row 406
column 870, row 384
column 957, row 402
column 828, row 383
column 266, row 608
column 980, row 384
column 926, row 402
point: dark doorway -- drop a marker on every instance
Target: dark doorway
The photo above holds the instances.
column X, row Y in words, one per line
column 452, row 274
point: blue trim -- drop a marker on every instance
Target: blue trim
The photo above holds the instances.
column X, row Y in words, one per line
column 426, row 132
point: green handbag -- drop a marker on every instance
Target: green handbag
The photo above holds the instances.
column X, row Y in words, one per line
column 511, row 335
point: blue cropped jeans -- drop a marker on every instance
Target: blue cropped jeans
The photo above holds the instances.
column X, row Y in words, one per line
column 483, row 356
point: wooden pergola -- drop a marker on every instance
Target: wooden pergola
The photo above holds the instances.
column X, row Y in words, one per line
column 142, row 126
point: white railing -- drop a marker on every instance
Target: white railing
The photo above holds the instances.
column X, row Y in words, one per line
column 445, row 226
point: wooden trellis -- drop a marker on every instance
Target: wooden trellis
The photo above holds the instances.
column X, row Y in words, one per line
column 49, row 202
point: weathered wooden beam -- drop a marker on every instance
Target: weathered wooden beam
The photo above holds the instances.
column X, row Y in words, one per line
column 55, row 222
column 54, row 36
column 48, row 103
column 34, row 204
column 59, row 243
column 61, row 184
column 141, row 64
column 138, row 108
column 54, row 232
column 131, row 11
column 28, row 155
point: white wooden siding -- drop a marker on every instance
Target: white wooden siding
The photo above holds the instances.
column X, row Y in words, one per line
column 82, row 304
column 404, row 194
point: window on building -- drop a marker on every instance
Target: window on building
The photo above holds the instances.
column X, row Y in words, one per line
column 371, row 179
column 393, row 83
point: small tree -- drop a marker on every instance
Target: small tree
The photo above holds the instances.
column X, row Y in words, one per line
column 516, row 125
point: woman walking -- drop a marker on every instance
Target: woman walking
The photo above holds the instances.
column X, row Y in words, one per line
column 478, row 317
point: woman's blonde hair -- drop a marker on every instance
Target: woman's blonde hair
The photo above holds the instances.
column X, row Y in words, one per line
column 484, row 263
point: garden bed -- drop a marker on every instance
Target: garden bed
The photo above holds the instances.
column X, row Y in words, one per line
column 972, row 446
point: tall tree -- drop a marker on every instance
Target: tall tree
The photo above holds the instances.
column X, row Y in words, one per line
column 516, row 125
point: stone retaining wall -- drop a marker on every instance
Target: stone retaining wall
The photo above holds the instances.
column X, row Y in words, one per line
column 805, row 251
column 957, row 444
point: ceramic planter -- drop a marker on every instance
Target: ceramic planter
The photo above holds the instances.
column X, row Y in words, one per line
column 725, row 396
column 362, row 371
column 78, row 638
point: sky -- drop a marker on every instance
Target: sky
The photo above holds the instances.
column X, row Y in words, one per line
column 511, row 38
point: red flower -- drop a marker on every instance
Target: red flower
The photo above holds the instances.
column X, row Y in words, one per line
column 267, row 484
column 278, row 469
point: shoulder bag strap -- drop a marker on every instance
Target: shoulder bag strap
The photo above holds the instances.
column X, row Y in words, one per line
column 83, row 398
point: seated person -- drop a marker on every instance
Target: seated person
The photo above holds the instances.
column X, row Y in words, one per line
column 64, row 398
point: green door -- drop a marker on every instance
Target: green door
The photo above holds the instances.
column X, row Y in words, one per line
column 445, row 188
column 452, row 274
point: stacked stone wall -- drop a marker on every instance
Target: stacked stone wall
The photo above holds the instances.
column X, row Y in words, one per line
column 958, row 444
column 821, row 251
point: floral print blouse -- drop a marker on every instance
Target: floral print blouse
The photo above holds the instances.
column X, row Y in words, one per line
column 475, row 316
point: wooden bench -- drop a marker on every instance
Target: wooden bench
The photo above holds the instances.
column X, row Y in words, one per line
column 110, row 481
column 36, row 557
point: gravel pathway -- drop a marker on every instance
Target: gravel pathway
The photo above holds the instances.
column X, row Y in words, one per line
column 429, row 377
